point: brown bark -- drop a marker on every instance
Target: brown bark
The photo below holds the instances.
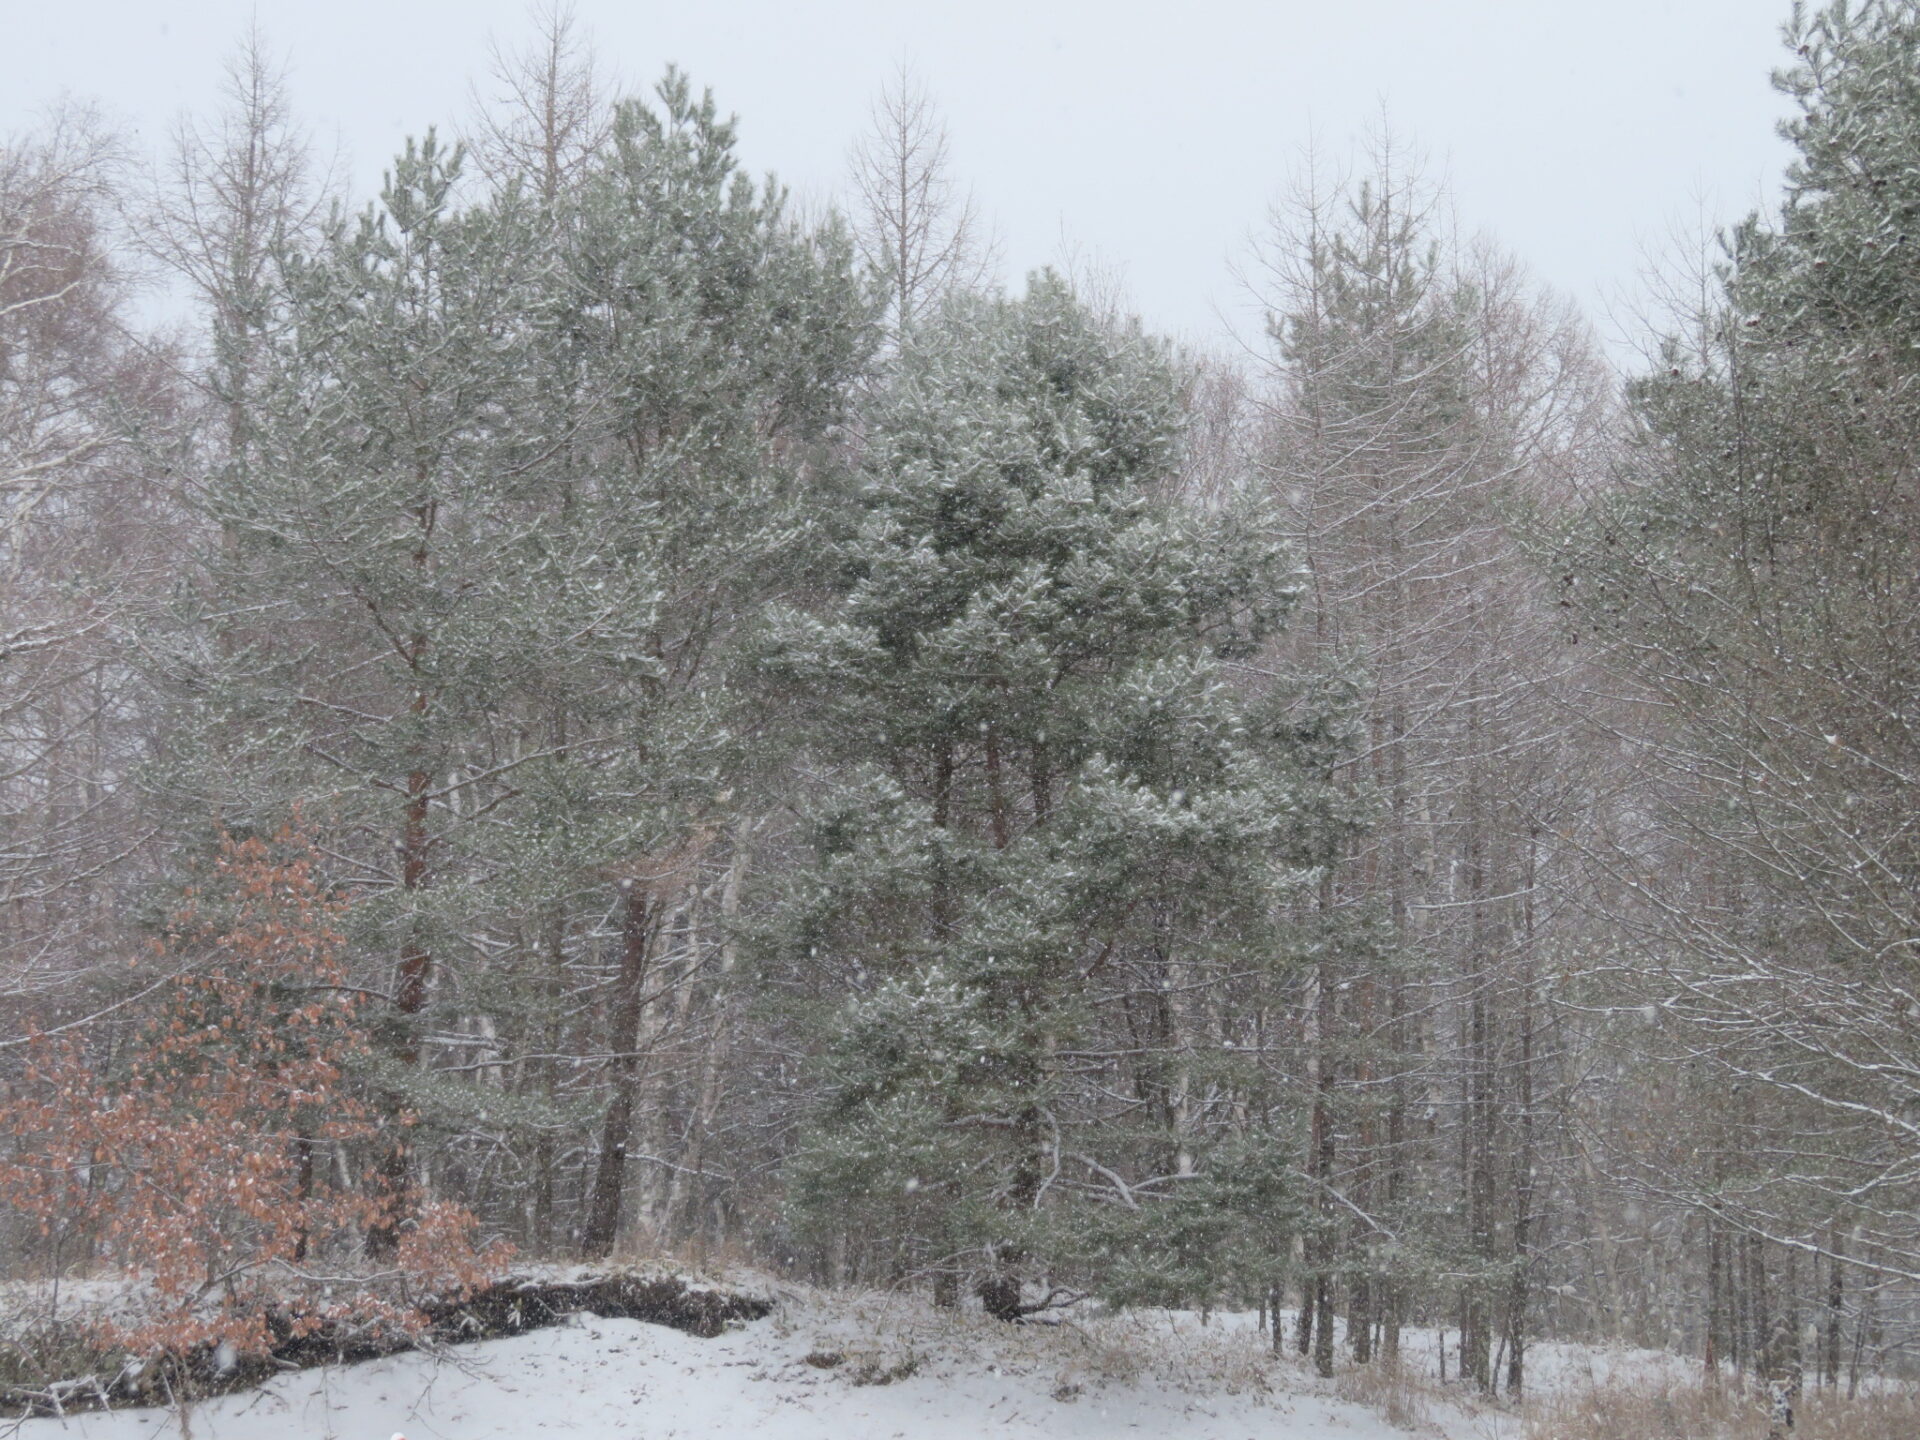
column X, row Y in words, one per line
column 996, row 792
column 610, row 1175
column 1836, row 1316
column 303, row 1147
column 1324, row 1242
column 415, row 972
column 1518, row 1292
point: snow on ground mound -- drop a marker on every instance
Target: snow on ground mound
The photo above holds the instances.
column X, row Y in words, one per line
column 821, row 1369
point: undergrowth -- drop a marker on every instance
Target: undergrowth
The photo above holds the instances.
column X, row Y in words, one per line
column 1695, row 1409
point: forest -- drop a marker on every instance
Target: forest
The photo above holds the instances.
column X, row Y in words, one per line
column 576, row 709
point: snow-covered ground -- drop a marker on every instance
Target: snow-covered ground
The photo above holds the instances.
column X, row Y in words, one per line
column 838, row 1366
column 942, row 1378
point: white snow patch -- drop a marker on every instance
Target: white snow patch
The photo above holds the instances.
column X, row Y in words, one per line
column 601, row 1379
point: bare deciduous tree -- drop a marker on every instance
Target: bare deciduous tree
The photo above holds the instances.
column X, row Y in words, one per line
column 549, row 107
column 1420, row 388
column 73, row 386
column 915, row 226
column 233, row 194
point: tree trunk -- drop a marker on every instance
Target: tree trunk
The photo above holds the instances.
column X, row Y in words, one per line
column 1836, row 1316
column 610, row 1175
column 415, row 975
column 1518, row 1294
column 718, row 1052
column 1303, row 1322
column 1323, row 1324
column 1716, row 1300
column 1322, row 1246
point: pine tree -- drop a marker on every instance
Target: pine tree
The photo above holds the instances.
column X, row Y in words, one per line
column 513, row 466
column 1056, row 812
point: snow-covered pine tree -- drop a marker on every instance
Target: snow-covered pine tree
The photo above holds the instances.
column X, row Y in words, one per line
column 513, row 467
column 363, row 614
column 1046, row 869
column 692, row 383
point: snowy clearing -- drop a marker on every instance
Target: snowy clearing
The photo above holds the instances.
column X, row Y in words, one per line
column 903, row 1370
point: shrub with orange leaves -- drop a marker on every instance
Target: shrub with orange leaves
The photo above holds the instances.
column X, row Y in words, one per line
column 213, row 1159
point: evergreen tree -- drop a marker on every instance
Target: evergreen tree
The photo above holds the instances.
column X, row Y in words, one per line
column 513, row 466
column 1055, row 813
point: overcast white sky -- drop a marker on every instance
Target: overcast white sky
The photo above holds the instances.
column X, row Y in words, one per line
column 1150, row 136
